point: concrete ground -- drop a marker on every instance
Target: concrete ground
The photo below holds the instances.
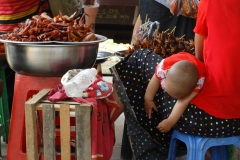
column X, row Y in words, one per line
column 119, row 124
column 4, row 150
column 118, row 132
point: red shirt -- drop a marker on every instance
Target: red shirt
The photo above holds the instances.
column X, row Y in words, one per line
column 166, row 64
column 15, row 11
column 219, row 21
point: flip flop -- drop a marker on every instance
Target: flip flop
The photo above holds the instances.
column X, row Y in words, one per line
column 72, row 149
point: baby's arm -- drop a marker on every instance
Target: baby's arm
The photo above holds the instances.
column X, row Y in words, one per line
column 151, row 91
column 176, row 113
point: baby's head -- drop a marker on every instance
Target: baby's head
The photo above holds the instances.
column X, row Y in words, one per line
column 181, row 79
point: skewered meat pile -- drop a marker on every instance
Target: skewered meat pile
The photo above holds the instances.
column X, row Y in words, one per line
column 164, row 44
column 41, row 28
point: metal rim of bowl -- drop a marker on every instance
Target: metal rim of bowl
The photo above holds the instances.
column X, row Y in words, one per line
column 57, row 43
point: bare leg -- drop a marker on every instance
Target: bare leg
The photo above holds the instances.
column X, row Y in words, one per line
column 208, row 155
column 120, row 105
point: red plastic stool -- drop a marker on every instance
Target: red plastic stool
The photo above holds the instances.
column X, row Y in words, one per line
column 25, row 87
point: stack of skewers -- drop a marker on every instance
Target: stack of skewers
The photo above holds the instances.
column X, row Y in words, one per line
column 162, row 43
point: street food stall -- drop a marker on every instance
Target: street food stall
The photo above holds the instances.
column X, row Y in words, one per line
column 40, row 61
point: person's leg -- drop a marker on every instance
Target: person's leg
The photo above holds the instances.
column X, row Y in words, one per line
column 120, row 105
column 126, row 149
column 197, row 122
column 10, row 78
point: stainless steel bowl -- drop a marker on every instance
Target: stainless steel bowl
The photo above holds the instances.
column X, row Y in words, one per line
column 51, row 58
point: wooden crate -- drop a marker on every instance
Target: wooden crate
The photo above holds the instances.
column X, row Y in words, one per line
column 83, row 124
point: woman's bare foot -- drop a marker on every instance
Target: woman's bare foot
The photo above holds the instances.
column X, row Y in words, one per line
column 72, row 143
column 208, row 155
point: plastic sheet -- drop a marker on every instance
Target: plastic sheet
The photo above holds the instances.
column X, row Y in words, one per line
column 145, row 32
column 66, row 7
column 188, row 8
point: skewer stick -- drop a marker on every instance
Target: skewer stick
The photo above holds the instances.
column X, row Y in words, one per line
column 146, row 25
column 146, row 18
column 182, row 36
column 156, row 30
column 144, row 29
column 166, row 30
column 173, row 30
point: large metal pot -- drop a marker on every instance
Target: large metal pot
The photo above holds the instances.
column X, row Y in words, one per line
column 51, row 58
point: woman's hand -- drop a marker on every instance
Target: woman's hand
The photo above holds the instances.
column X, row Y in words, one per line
column 148, row 106
column 165, row 126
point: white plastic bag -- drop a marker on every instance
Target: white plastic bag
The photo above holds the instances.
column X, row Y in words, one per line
column 77, row 80
column 145, row 32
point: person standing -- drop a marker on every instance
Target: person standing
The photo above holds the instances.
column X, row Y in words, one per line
column 13, row 11
column 221, row 96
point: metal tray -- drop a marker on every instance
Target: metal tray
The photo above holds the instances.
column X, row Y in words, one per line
column 102, row 56
column 120, row 54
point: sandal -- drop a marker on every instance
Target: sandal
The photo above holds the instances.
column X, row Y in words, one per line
column 72, row 149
